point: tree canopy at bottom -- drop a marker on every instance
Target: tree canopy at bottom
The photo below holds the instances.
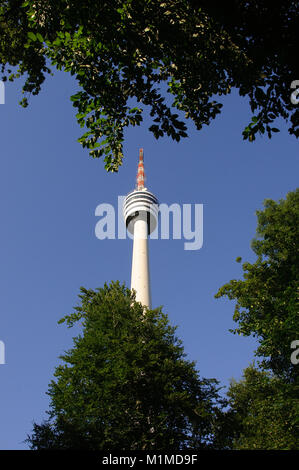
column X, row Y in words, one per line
column 126, row 383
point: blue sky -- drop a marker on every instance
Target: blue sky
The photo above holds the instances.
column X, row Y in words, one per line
column 50, row 189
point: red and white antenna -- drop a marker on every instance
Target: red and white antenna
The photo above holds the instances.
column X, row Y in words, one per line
column 140, row 180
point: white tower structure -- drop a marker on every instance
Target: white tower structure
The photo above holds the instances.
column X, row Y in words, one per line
column 141, row 215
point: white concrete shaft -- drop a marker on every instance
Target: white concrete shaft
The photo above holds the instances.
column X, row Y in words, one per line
column 140, row 279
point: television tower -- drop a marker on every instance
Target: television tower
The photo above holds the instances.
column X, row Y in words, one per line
column 141, row 216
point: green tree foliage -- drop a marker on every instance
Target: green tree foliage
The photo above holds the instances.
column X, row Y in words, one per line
column 267, row 297
column 264, row 412
column 126, row 383
column 122, row 52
